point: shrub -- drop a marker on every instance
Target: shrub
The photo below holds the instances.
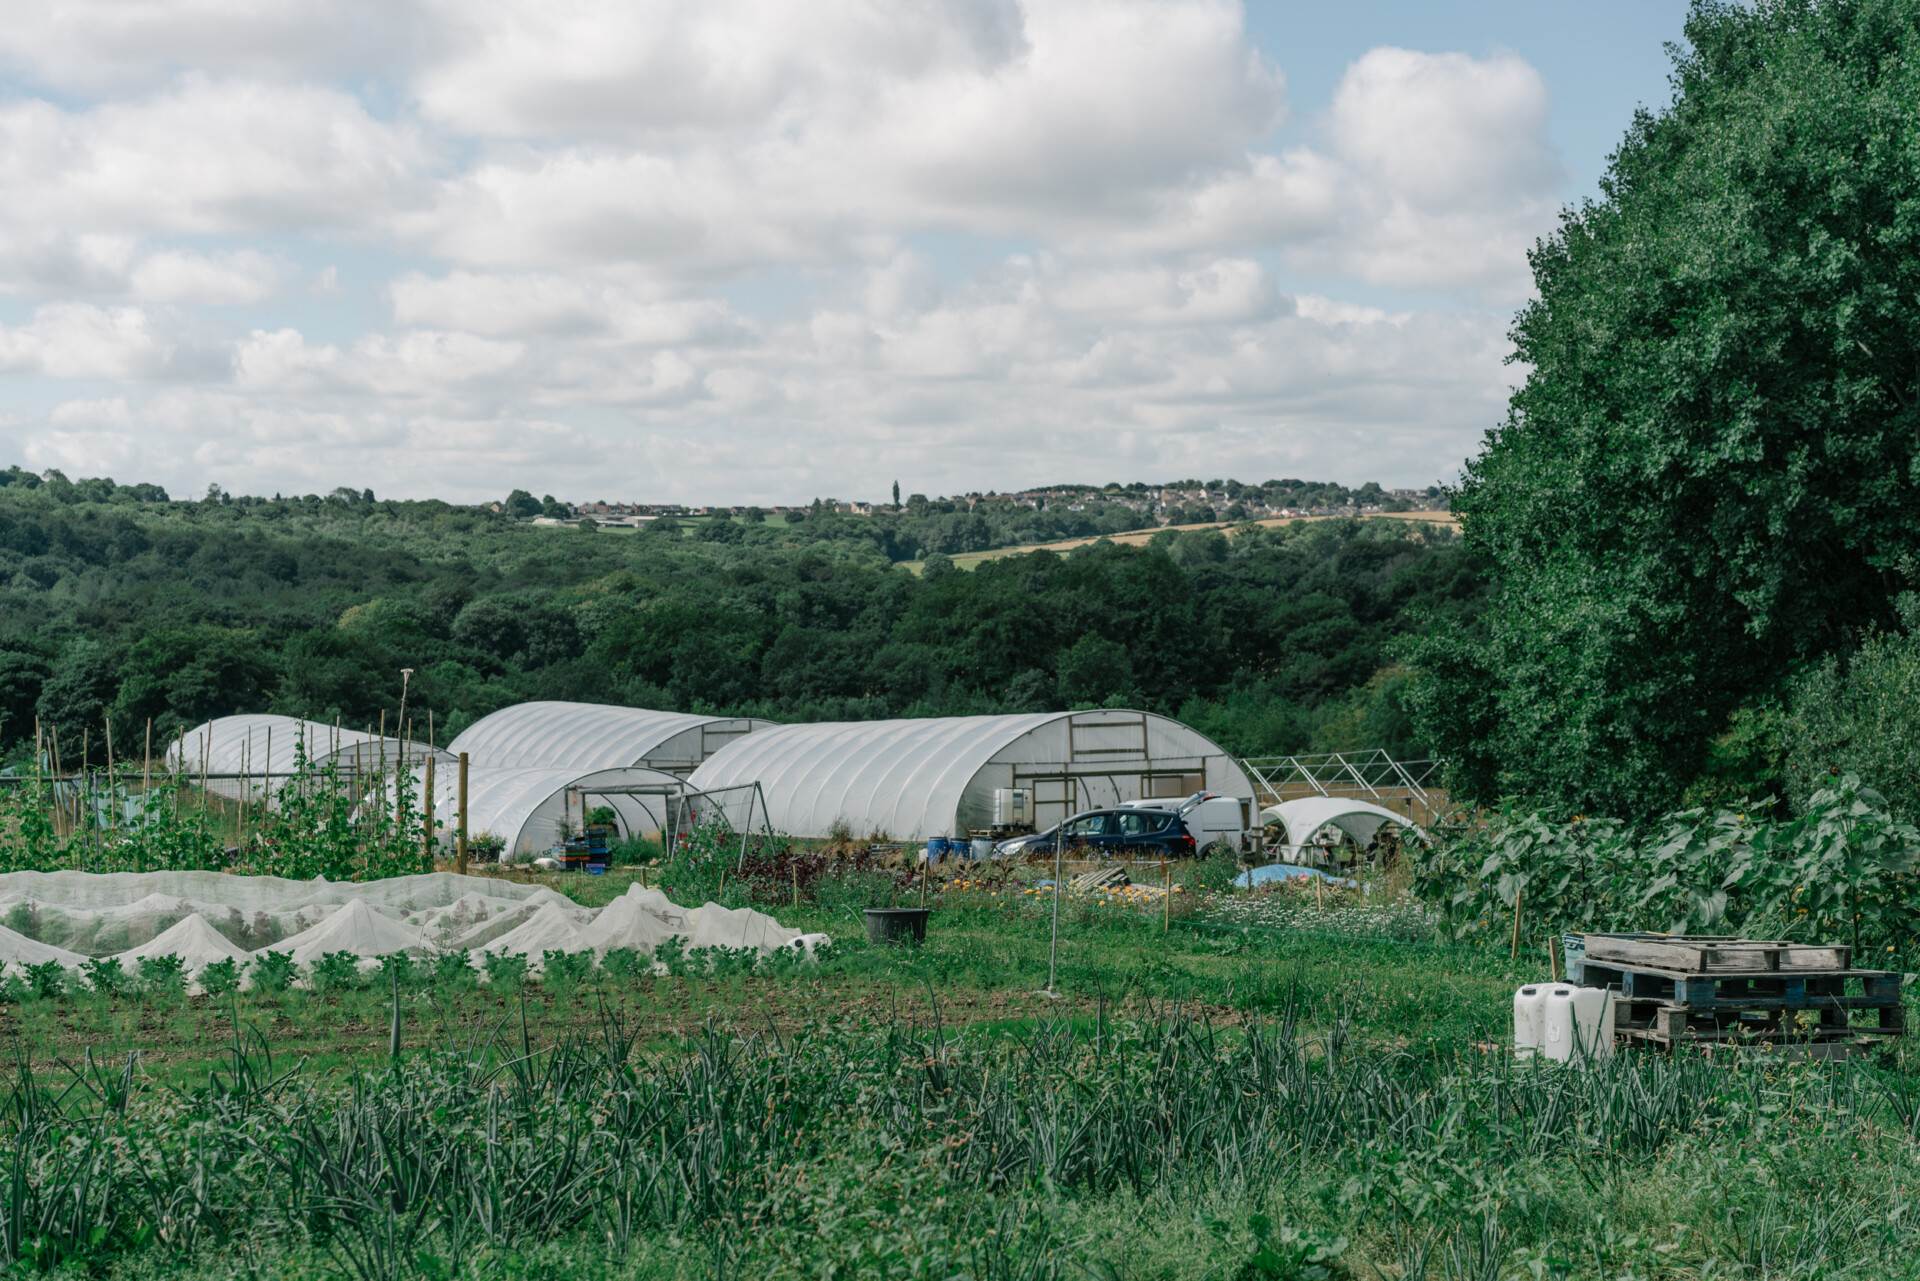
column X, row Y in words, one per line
column 105, row 976
column 1842, row 871
column 47, row 980
column 220, row 977
column 399, row 969
column 624, row 963
column 505, row 969
column 272, row 971
column 336, row 972
column 566, row 968
column 452, row 970
column 162, row 975
column 633, row 851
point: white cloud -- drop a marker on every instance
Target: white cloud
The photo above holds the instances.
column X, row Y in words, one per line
column 745, row 246
column 207, row 157
column 79, row 340
column 113, row 46
column 240, row 276
column 1445, row 129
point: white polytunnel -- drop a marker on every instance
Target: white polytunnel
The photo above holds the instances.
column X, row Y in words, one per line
column 532, row 810
column 912, row 779
column 1303, row 819
column 257, row 754
column 583, row 736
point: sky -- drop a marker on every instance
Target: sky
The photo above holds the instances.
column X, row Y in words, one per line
column 762, row 251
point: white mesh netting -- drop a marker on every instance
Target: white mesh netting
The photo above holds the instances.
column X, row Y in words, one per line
column 204, row 917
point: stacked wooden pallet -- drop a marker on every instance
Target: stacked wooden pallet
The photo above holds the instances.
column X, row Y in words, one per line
column 1708, row 991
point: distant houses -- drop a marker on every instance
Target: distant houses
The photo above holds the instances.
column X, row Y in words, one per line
column 1180, row 502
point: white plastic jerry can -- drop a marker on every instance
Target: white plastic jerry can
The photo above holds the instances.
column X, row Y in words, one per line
column 1576, row 1022
column 1529, row 1020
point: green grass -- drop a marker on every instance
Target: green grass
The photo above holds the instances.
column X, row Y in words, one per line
column 1206, row 1102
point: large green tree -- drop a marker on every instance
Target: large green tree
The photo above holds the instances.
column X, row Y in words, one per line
column 1707, row 477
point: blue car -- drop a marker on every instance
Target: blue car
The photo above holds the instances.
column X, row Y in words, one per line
column 1138, row 833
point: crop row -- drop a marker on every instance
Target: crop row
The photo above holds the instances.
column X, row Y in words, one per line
column 423, row 1164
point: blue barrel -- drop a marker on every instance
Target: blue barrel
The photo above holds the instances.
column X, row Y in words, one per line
column 936, row 848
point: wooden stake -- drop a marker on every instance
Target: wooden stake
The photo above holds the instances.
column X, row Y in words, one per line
column 108, row 721
column 460, row 837
column 1166, row 896
column 1319, row 891
column 925, row 870
column 426, row 809
column 793, row 868
column 146, row 766
column 1553, row 961
column 1513, row 952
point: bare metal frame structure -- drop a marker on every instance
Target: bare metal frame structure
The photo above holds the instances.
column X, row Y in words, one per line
column 1372, row 775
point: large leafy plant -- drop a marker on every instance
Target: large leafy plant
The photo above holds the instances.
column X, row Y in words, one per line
column 1843, row 870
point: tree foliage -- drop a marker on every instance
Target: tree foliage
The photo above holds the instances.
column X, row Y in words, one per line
column 131, row 610
column 1705, row 479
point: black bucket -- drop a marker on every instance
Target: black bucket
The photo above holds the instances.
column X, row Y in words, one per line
column 897, row 924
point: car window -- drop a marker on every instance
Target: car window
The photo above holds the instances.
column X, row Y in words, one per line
column 1140, row 823
column 1088, row 825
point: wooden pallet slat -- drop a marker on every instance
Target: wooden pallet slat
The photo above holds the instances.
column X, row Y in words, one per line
column 1730, row 992
column 1713, row 956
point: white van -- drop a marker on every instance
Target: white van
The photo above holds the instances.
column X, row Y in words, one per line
column 1211, row 819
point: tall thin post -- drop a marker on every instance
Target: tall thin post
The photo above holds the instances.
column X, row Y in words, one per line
column 246, row 789
column 426, row 809
column 108, row 721
column 460, row 838
column 1053, row 944
column 146, row 767
column 83, row 795
column 399, row 796
column 1166, row 896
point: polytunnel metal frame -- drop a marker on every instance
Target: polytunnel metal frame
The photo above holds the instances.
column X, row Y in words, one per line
column 686, row 794
column 506, row 801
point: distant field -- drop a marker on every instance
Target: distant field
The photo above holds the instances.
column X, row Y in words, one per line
column 968, row 560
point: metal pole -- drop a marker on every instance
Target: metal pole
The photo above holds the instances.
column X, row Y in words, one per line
column 745, row 829
column 460, row 840
column 1053, row 944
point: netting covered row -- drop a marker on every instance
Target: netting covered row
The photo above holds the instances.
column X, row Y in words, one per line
column 206, row 917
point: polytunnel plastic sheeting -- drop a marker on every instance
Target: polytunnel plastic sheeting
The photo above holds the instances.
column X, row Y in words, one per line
column 557, row 735
column 526, row 808
column 910, row 779
column 268, row 747
column 1302, row 819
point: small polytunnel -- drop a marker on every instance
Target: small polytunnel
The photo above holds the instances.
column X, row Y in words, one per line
column 532, row 810
column 1303, row 819
column 256, row 754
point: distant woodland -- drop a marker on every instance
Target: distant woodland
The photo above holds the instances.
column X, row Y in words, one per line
column 117, row 604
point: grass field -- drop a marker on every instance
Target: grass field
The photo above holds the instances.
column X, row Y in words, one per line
column 1138, row 537
column 1267, row 1089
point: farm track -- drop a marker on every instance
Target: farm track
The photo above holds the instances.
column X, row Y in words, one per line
column 1140, row 537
